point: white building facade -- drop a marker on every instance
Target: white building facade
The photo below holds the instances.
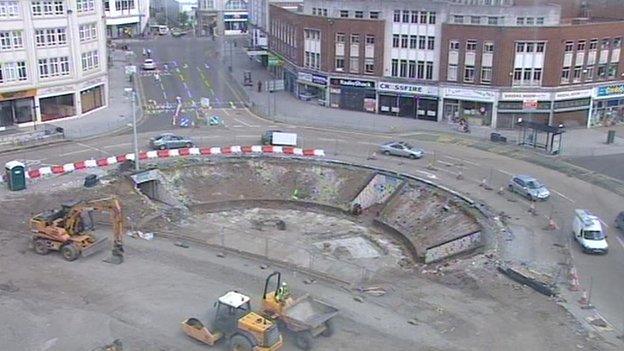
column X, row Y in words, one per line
column 52, row 60
column 126, row 18
column 222, row 17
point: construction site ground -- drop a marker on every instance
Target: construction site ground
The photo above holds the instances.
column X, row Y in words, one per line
column 459, row 304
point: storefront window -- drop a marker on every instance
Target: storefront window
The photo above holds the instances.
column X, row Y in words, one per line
column 16, row 111
column 57, row 107
column 92, row 98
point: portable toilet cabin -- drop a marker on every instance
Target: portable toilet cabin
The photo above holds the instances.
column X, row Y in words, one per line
column 15, row 175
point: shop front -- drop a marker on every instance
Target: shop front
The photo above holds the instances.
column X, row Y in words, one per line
column 353, row 94
column 92, row 98
column 17, row 108
column 408, row 100
column 311, row 86
column 473, row 105
column 523, row 106
column 571, row 108
column 608, row 105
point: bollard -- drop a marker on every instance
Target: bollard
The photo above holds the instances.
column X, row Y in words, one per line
column 584, row 300
column 574, row 280
column 501, row 190
column 460, row 176
column 552, row 225
column 373, row 156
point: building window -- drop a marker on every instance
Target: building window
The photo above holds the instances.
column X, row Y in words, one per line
column 458, row 19
column 420, row 70
column 537, row 75
column 83, row 6
column 411, row 69
column 406, row 16
column 539, row 47
column 129, row 5
column 9, row 9
column 355, row 38
column 403, row 68
column 423, row 17
column 539, row 21
column 520, row 47
column 50, row 37
column 475, row 20
column 422, row 42
column 87, row 32
column 11, row 40
column 106, row 5
column 354, row 64
column 369, row 65
column 471, row 45
column 530, row 47
column 373, row 15
column 576, row 76
column 488, row 47
column 453, row 45
column 432, row 17
column 340, row 38
column 469, row 72
column 430, row 43
column 413, row 41
column 370, row 39
column 344, row 13
column 395, row 40
column 12, row 72
column 429, row 72
column 517, row 75
column 451, row 73
column 340, row 63
column 530, row 21
column 580, row 46
column 47, row 8
column 53, row 67
column 486, row 75
column 520, row 21
column 612, row 71
column 90, row 60
column 493, row 21
column 605, row 44
column 397, row 16
column 404, row 40
column 395, row 68
column 414, row 16
column 569, row 46
column 602, row 71
column 359, row 14
column 617, row 42
column 593, row 44
column 565, row 75
column 589, row 73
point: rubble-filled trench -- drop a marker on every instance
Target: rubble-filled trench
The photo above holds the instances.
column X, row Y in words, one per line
column 347, row 222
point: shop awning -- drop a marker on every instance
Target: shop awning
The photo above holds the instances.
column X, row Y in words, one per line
column 18, row 94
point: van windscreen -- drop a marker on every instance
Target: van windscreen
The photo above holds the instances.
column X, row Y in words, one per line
column 593, row 235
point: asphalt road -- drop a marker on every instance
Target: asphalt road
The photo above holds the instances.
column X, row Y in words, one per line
column 610, row 165
column 603, row 273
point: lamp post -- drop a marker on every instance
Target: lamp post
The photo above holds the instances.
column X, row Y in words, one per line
column 134, row 133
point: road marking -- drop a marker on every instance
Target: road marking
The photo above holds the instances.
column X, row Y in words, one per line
column 603, row 223
column 242, row 122
column 246, row 136
column 206, row 137
column 225, row 111
column 504, row 172
column 74, row 152
column 328, row 139
column 445, row 163
column 116, row 145
column 365, row 143
column 427, row 174
column 560, row 194
column 462, row 160
column 92, row 148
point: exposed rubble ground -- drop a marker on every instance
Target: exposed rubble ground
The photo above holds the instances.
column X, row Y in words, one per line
column 461, row 303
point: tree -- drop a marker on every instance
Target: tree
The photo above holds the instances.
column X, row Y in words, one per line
column 183, row 18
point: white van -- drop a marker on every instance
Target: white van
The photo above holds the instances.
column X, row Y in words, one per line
column 587, row 230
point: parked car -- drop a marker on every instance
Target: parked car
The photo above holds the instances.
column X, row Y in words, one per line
column 149, row 65
column 177, row 33
column 401, row 148
column 528, row 187
column 306, row 95
column 619, row 221
column 170, row 141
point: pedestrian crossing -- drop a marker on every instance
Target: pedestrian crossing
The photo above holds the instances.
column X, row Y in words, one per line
column 154, row 107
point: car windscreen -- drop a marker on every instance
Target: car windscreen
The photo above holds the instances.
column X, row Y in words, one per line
column 533, row 184
column 593, row 235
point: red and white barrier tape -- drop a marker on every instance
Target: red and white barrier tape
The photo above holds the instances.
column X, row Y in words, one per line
column 154, row 154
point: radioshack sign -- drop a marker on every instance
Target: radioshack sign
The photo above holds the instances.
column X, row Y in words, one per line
column 614, row 90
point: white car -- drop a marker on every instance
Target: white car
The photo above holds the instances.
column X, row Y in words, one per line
column 149, row 64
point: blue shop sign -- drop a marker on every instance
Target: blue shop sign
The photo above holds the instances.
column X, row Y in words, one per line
column 608, row 90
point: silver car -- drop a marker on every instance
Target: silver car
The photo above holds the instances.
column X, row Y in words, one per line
column 401, row 148
column 529, row 187
column 170, row 141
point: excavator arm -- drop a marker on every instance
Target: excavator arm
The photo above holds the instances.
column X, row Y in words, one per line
column 112, row 205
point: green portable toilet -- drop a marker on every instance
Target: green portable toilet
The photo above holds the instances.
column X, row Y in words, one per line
column 15, row 175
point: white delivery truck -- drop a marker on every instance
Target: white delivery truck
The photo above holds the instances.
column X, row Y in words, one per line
column 276, row 137
column 587, row 230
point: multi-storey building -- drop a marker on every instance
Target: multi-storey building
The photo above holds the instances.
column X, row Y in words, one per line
column 126, row 18
column 491, row 62
column 221, row 17
column 52, row 60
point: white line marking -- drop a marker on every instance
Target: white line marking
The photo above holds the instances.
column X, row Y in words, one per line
column 93, row 148
column 238, row 126
column 560, row 194
column 246, row 136
column 242, row 122
column 620, row 240
column 427, row 174
column 116, row 145
column 445, row 163
column 74, row 152
column 225, row 111
column 206, row 137
column 327, row 139
column 366, row 143
column 603, row 223
column 504, row 172
column 462, row 160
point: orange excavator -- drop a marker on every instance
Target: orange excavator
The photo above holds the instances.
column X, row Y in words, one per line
column 70, row 229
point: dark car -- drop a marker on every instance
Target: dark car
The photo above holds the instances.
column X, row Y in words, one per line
column 170, row 141
column 619, row 221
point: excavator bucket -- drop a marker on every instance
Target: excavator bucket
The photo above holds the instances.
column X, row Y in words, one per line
column 194, row 328
column 116, row 256
column 99, row 244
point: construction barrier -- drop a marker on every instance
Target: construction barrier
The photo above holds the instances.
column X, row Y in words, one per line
column 167, row 153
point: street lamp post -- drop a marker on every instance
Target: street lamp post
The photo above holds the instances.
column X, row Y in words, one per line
column 134, row 132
